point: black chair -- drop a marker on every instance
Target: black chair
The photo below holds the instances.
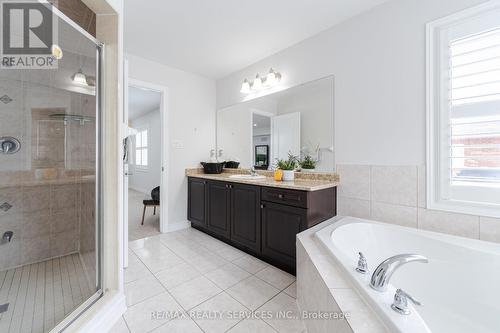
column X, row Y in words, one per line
column 154, row 201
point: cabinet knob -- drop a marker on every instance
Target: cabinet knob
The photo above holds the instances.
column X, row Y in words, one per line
column 262, row 206
column 280, row 196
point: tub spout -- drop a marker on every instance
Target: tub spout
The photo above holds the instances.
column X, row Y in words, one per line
column 382, row 274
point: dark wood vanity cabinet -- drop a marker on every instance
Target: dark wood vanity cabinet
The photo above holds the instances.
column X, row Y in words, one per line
column 217, row 199
column 262, row 221
column 245, row 216
column 280, row 225
column 196, row 202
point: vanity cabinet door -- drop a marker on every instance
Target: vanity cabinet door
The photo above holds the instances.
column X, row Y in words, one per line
column 218, row 202
column 197, row 201
column 280, row 225
column 245, row 216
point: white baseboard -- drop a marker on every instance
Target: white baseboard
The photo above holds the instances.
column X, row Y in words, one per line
column 178, row 226
column 139, row 189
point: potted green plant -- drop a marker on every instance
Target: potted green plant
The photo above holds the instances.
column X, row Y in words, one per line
column 308, row 164
column 288, row 166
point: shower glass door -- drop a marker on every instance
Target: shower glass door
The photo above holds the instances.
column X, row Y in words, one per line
column 49, row 185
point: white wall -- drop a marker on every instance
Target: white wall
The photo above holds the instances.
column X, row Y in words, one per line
column 191, row 124
column 378, row 60
column 146, row 180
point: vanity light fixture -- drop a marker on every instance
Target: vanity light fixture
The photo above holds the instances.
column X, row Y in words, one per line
column 245, row 87
column 257, row 83
column 80, row 78
column 57, row 52
column 269, row 81
column 272, row 78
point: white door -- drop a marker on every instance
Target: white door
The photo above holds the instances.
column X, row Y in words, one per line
column 125, row 164
column 285, row 135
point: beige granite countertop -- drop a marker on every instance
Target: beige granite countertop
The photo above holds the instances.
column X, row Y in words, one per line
column 302, row 182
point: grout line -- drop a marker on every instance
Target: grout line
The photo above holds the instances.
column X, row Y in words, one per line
column 223, row 291
column 126, row 324
column 26, row 296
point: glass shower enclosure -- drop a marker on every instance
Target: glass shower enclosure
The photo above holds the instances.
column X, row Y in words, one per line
column 50, row 231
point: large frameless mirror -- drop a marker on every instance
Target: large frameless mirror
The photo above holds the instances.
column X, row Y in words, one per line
column 297, row 121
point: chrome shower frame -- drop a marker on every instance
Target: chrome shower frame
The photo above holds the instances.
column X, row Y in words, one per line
column 61, row 326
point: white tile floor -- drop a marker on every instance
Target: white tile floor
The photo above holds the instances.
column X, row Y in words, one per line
column 211, row 286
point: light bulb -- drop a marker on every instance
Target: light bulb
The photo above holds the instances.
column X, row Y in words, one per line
column 257, row 83
column 57, row 52
column 245, row 87
column 271, row 78
column 80, row 78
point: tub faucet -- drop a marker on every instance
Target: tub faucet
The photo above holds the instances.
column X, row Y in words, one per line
column 362, row 264
column 382, row 274
column 400, row 304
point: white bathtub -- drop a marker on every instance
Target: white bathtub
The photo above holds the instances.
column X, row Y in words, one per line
column 459, row 287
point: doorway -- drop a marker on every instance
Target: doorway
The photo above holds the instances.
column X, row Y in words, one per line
column 144, row 180
column 261, row 140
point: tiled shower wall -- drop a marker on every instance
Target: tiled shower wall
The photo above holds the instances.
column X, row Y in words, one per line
column 44, row 220
column 397, row 194
column 49, row 181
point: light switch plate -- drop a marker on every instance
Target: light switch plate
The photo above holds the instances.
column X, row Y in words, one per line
column 178, row 144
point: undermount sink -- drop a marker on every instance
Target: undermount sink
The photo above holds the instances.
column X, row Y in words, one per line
column 248, row 177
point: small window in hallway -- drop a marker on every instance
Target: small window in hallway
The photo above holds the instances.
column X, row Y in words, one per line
column 141, row 149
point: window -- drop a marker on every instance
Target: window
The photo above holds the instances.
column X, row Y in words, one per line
column 463, row 128
column 141, row 149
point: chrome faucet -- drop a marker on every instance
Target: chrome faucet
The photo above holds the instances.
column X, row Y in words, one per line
column 362, row 264
column 7, row 237
column 9, row 145
column 253, row 173
column 400, row 304
column 383, row 273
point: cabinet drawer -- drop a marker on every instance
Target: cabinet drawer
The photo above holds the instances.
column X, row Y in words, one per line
column 287, row 197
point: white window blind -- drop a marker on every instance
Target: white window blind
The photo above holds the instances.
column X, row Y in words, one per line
column 141, row 149
column 475, row 107
column 463, row 127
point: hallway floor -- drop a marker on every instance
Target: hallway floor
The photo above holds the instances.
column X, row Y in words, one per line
column 151, row 225
column 187, row 281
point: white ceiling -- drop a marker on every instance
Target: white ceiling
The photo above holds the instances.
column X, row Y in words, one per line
column 217, row 37
column 142, row 101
